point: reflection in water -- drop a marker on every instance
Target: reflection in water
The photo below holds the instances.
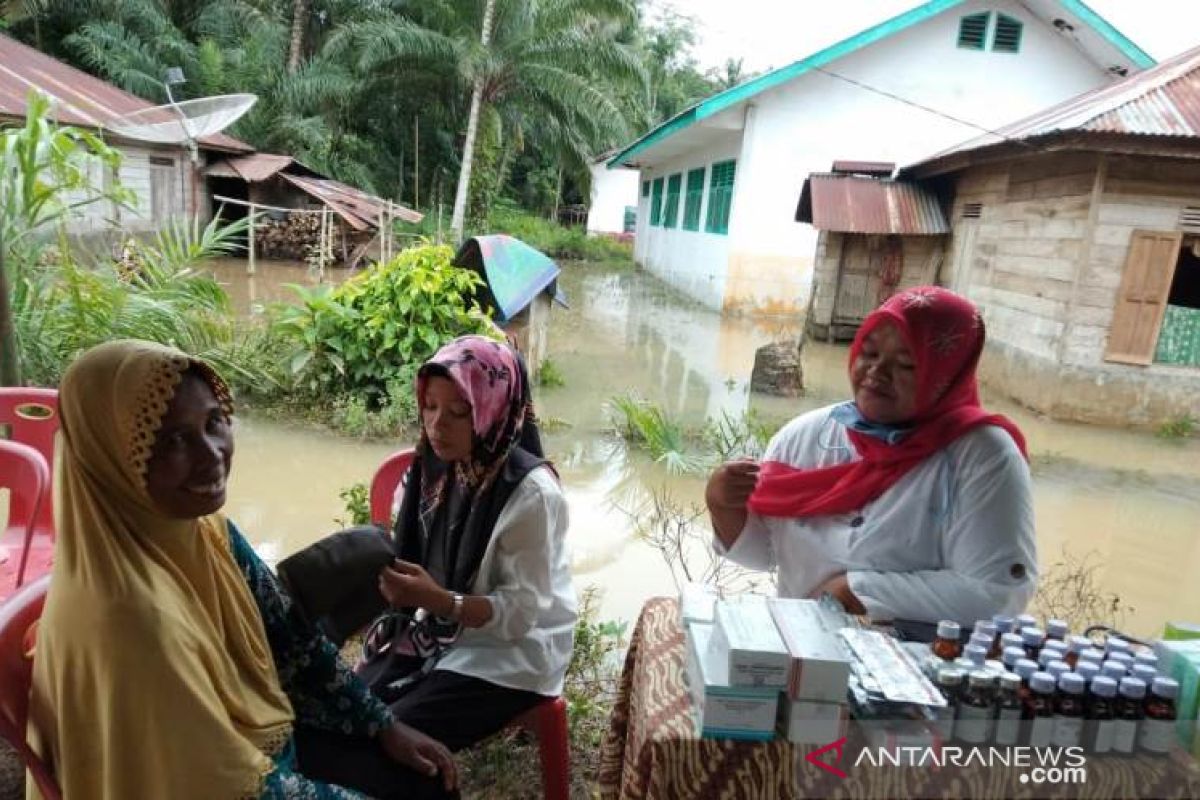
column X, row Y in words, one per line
column 1128, row 497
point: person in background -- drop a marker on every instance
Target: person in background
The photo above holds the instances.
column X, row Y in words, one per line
column 167, row 662
column 907, row 502
column 484, row 608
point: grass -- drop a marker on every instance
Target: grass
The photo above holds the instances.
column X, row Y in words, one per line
column 1178, row 428
column 558, row 241
column 648, row 426
column 550, row 375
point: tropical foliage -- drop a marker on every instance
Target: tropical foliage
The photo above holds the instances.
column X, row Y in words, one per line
column 379, row 92
column 61, row 304
column 366, row 337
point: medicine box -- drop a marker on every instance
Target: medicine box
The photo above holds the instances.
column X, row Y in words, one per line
column 1181, row 660
column 819, row 666
column 721, row 710
column 808, row 722
column 697, row 602
column 746, row 644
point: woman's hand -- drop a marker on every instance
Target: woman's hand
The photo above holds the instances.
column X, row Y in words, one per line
column 405, row 584
column 731, row 484
column 838, row 586
column 410, row 747
column 728, row 490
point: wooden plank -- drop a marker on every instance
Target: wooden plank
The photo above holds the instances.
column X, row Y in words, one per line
column 1139, row 215
column 1142, row 296
column 1036, row 289
column 1059, row 269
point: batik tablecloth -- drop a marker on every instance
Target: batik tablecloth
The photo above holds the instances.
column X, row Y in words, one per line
column 652, row 750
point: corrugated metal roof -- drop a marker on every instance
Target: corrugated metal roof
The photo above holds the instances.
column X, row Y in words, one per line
column 252, row 168
column 80, row 99
column 1162, row 101
column 854, row 204
column 359, row 209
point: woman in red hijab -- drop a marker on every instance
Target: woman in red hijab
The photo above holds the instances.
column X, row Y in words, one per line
column 908, row 502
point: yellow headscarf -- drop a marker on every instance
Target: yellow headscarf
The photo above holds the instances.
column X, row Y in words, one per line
column 152, row 674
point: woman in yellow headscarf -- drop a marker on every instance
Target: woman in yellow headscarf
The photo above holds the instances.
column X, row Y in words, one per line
column 168, row 662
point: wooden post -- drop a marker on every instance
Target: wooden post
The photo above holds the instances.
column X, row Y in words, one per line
column 250, row 244
column 416, row 162
column 325, row 248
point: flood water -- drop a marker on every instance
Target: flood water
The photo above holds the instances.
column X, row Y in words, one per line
column 1124, row 501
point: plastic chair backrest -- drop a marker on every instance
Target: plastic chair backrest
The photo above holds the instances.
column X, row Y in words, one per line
column 17, row 615
column 24, row 473
column 384, row 484
column 30, row 415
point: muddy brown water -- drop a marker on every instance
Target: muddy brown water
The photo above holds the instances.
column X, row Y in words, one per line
column 1125, row 501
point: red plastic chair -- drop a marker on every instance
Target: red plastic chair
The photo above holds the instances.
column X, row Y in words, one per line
column 547, row 721
column 31, row 416
column 24, row 473
column 17, row 615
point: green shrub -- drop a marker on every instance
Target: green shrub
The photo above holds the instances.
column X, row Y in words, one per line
column 556, row 240
column 549, row 374
column 365, row 337
column 357, row 500
column 1178, row 428
column 648, row 426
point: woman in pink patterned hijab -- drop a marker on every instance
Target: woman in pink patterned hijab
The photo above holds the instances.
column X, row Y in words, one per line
column 483, row 609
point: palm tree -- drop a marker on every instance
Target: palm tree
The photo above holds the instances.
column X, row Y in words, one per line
column 458, row 218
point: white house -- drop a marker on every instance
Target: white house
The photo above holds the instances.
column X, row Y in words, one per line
column 719, row 181
column 614, row 198
column 162, row 179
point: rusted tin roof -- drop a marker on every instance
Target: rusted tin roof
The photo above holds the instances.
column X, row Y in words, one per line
column 359, row 209
column 79, row 98
column 855, row 204
column 252, row 168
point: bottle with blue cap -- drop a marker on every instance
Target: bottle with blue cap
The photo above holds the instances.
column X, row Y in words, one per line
column 1093, row 654
column 1011, row 656
column 1057, row 629
column 1057, row 668
column 1032, row 638
column 1088, row 670
column 1068, row 710
column 1144, row 673
column 975, row 653
column 1158, row 729
column 1075, row 646
column 1040, row 710
column 1146, row 658
column 1023, row 621
column 1115, row 644
column 1130, row 713
column 1101, row 725
column 1113, row 669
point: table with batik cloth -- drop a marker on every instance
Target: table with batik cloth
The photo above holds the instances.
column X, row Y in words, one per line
column 653, row 750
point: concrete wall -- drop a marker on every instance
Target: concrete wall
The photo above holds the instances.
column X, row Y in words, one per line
column 695, row 262
column 804, row 125
column 612, row 191
column 1048, row 254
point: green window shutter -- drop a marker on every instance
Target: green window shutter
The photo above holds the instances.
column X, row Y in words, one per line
column 656, row 199
column 671, row 213
column 972, row 31
column 645, row 188
column 694, row 198
column 720, row 197
column 1007, row 38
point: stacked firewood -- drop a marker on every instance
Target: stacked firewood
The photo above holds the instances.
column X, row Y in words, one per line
column 293, row 237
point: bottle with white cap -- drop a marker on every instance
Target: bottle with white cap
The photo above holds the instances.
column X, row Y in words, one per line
column 1040, row 710
column 1068, row 710
column 1115, row 644
column 947, row 645
column 1057, row 668
column 1130, row 714
column 1011, row 656
column 976, row 654
column 1057, row 629
column 1022, row 621
column 1146, row 658
column 1032, row 638
column 1075, row 646
column 1093, row 654
column 974, row 724
column 1101, row 723
column 1144, row 673
column 1008, row 710
column 1158, row 730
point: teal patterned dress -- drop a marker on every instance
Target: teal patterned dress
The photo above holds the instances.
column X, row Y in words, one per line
column 324, row 692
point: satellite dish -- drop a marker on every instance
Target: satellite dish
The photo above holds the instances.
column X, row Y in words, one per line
column 183, row 123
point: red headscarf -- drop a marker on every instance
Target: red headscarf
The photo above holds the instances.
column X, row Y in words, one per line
column 944, row 333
